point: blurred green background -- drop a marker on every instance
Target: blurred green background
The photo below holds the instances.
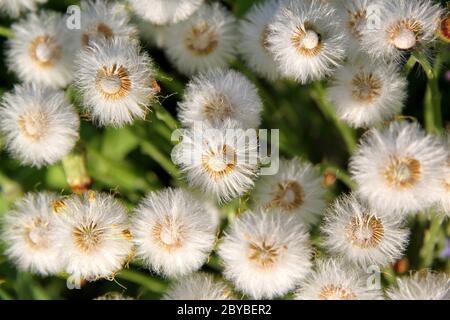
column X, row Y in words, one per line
column 136, row 159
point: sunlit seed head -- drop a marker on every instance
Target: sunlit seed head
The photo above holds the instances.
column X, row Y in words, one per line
column 87, row 236
column 307, row 41
column 34, row 124
column 96, row 31
column 403, row 35
column 45, row 51
column 402, row 172
column 220, row 162
column 202, row 39
column 289, row 196
column 366, row 87
column 365, row 231
column 336, row 292
column 264, row 253
column 218, row 108
column 114, row 82
column 169, row 233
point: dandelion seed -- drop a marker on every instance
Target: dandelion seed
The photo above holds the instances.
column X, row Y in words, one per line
column 361, row 235
column 103, row 20
column 399, row 169
column 221, row 161
column 206, row 40
column 219, row 95
column 421, row 286
column 296, row 190
column 265, row 254
column 333, row 279
column 41, row 50
column 14, row 8
column 307, row 40
column 254, row 46
column 367, row 93
column 163, row 12
column 116, row 80
column 27, row 232
column 405, row 25
column 200, row 286
column 93, row 235
column 40, row 126
column 174, row 233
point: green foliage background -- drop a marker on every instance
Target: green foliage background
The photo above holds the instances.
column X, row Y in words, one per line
column 134, row 160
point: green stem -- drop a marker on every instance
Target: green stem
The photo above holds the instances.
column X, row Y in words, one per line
column 165, row 116
column 170, row 82
column 433, row 97
column 6, row 32
column 427, row 252
column 75, row 168
column 164, row 161
column 142, row 279
column 409, row 65
column 5, row 295
column 348, row 134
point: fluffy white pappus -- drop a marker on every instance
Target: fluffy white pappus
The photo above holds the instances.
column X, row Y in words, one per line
column 265, row 254
column 100, row 20
column 198, row 286
column 27, row 234
column 39, row 125
column 366, row 93
column 254, row 46
column 41, row 50
column 152, row 34
column 357, row 16
column 307, row 40
column 361, row 235
column 173, row 231
column 334, row 279
column 297, row 189
column 218, row 95
column 206, row 40
column 221, row 160
column 401, row 26
column 422, row 285
column 399, row 168
column 163, row 12
column 116, row 80
column 93, row 235
column 14, row 8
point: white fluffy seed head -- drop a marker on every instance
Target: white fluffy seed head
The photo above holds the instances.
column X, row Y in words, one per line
column 399, row 169
column 402, row 25
column 93, row 235
column 116, row 80
column 357, row 16
column 422, row 285
column 254, row 32
column 366, row 92
column 220, row 160
column 362, row 235
column 14, row 8
column 218, row 95
column 198, row 286
column 163, row 12
column 40, row 126
column 297, row 190
column 307, row 40
column 27, row 233
column 265, row 254
column 41, row 50
column 335, row 279
column 206, row 40
column 174, row 233
column 103, row 20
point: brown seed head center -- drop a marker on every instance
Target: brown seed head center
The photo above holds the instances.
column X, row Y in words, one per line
column 219, row 163
column 34, row 125
column 307, row 41
column 336, row 292
column 402, row 172
column 289, row 195
column 202, row 39
column 99, row 30
column 88, row 236
column 168, row 234
column 45, row 51
column 366, row 87
column 365, row 231
column 113, row 83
